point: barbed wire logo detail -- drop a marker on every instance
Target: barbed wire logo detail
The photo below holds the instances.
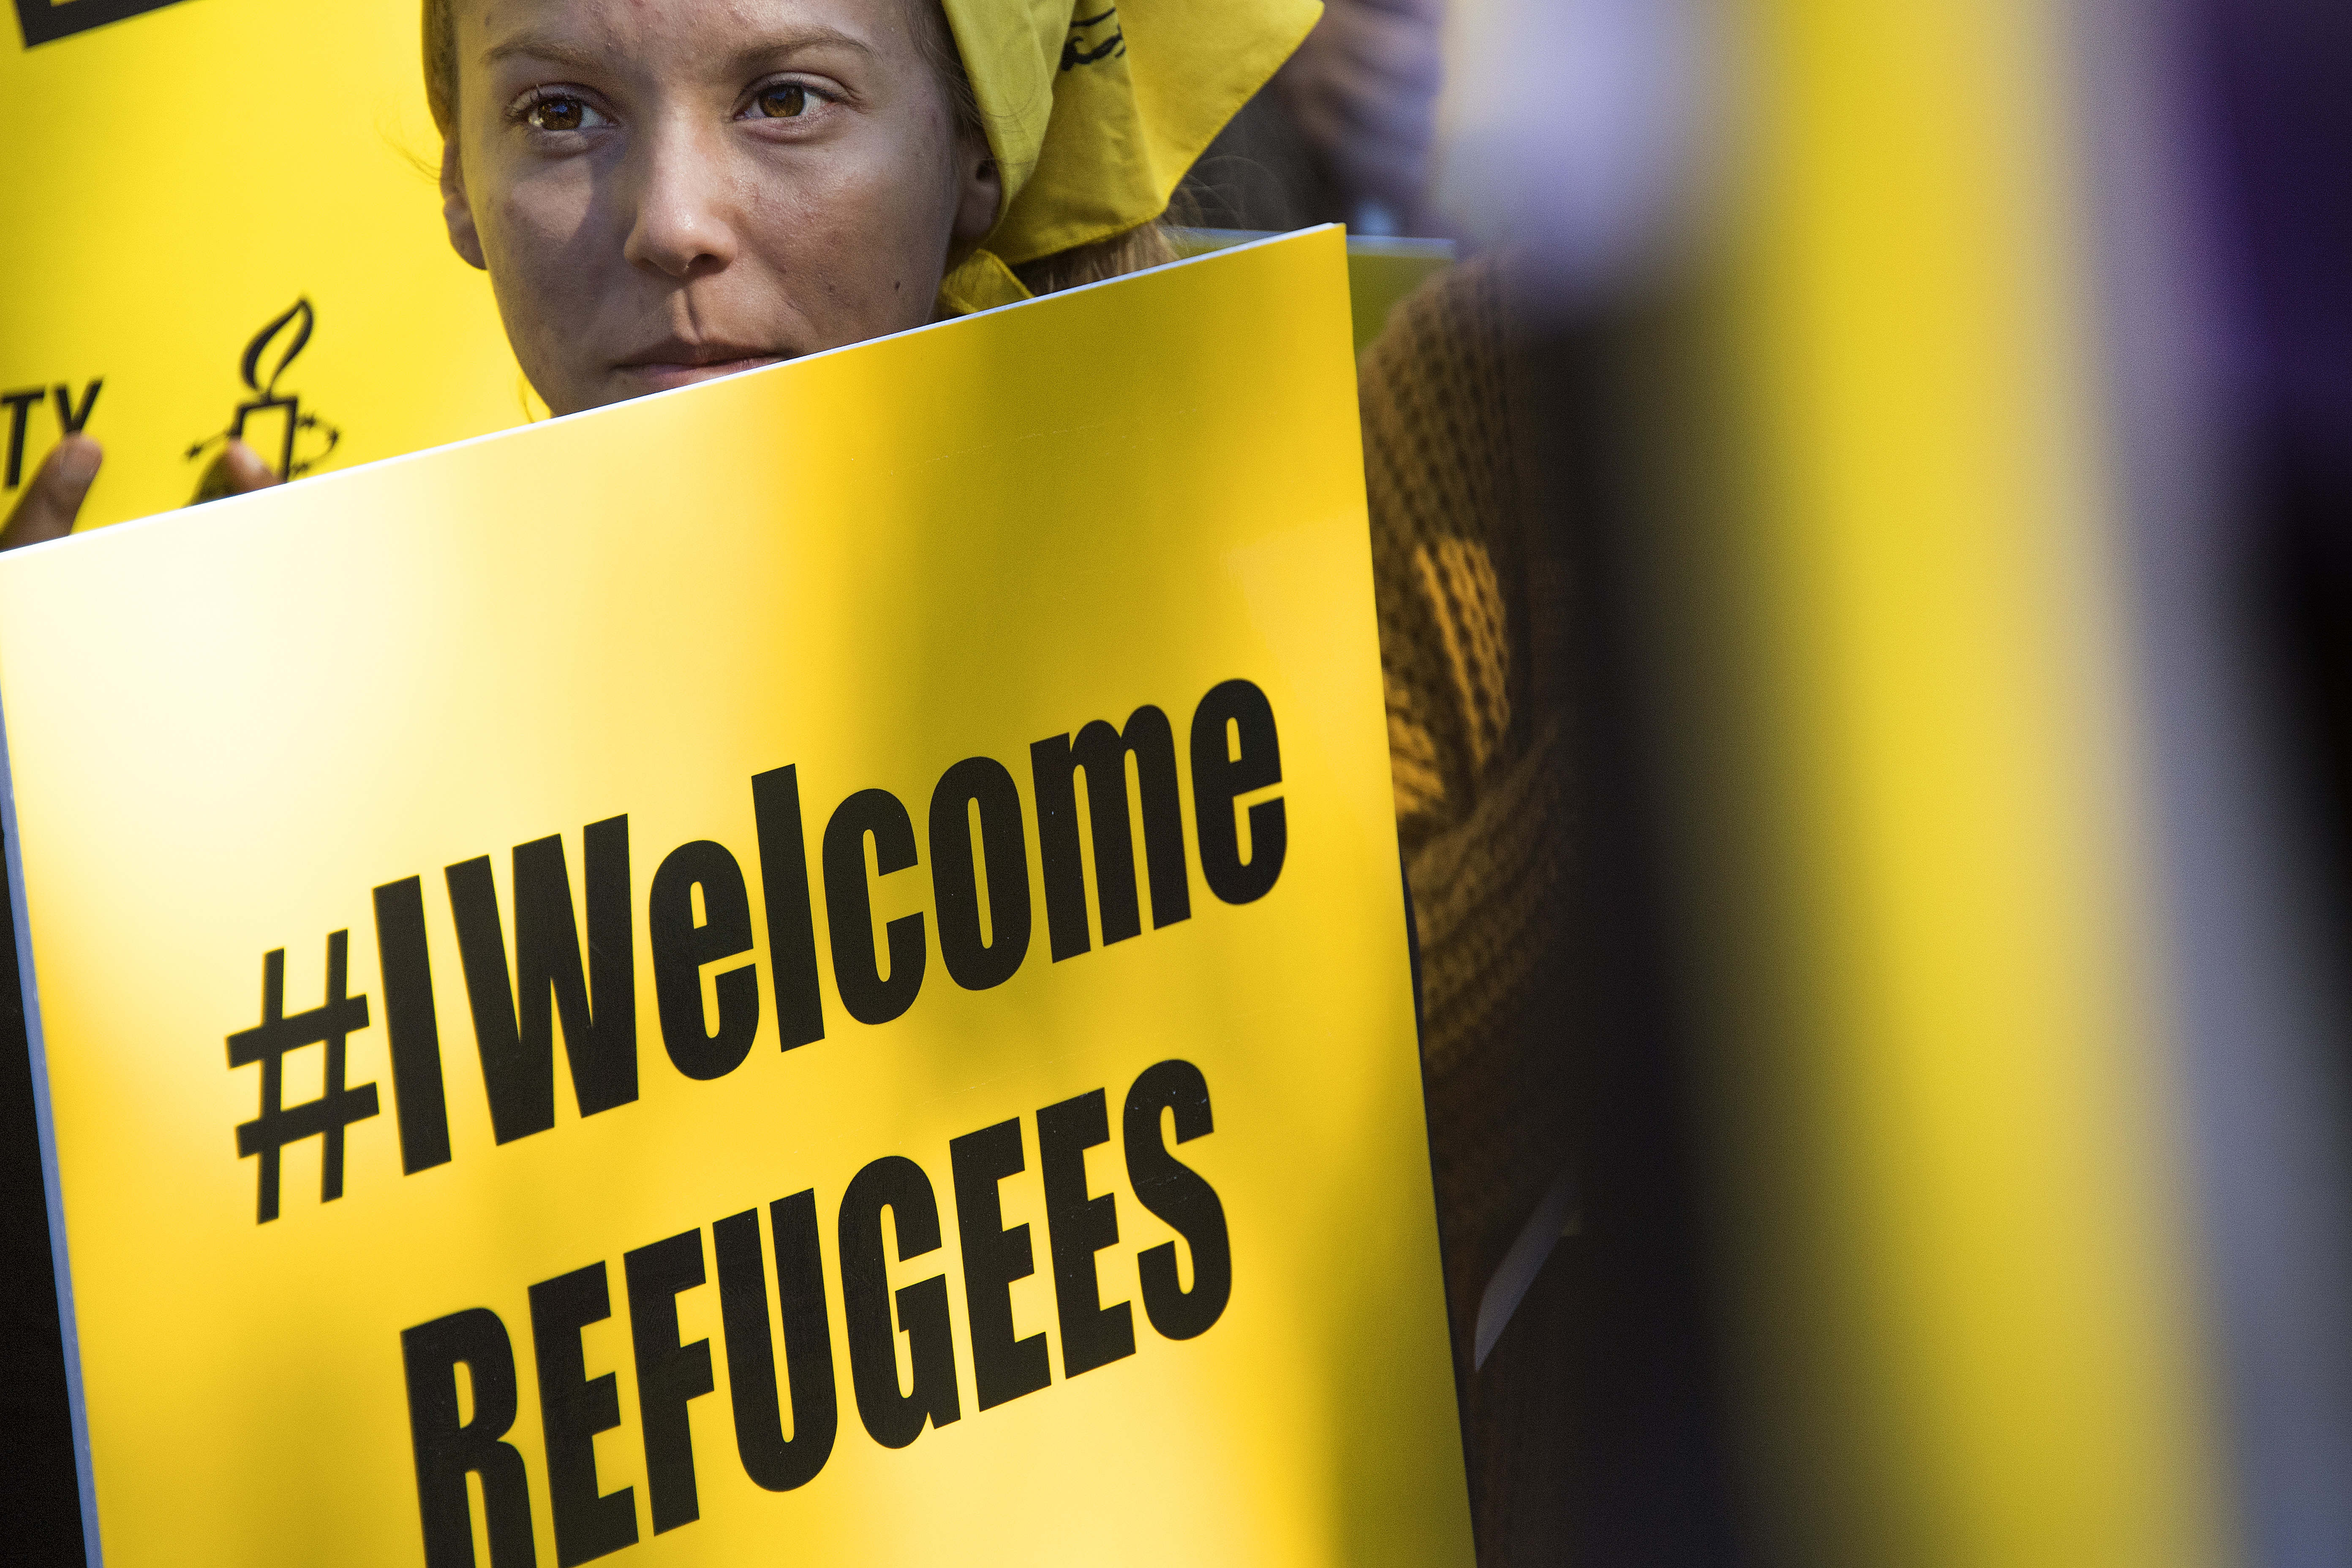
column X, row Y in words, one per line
column 299, row 321
column 336, row 1106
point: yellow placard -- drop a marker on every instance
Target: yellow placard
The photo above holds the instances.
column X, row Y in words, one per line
column 811, row 967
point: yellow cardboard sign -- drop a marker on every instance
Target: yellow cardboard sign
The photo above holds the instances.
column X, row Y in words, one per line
column 809, row 966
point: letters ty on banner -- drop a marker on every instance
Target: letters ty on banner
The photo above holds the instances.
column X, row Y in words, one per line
column 816, row 960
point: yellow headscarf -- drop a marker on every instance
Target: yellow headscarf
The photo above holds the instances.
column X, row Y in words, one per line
column 1095, row 110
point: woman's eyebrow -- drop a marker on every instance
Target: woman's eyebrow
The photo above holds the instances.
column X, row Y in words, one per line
column 790, row 40
column 541, row 47
column 544, row 46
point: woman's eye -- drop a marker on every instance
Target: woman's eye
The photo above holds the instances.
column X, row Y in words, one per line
column 787, row 101
column 559, row 114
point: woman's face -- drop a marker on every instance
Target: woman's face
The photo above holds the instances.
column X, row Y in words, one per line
column 664, row 191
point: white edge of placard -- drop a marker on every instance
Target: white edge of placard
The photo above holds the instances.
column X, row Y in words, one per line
column 211, row 508
column 53, row 1194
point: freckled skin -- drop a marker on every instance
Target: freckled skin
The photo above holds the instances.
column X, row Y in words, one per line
column 663, row 190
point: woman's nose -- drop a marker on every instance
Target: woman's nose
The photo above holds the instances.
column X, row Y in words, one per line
column 684, row 223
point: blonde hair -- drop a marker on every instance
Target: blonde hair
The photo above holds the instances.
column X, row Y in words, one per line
column 1146, row 244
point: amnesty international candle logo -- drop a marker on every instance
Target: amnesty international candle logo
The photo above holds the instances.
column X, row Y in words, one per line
column 267, row 410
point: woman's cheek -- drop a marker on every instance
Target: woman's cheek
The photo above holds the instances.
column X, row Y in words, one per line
column 547, row 242
column 549, row 213
column 819, row 244
column 885, row 233
column 541, row 274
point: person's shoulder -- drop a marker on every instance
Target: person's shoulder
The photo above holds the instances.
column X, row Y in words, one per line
column 1453, row 331
column 1434, row 391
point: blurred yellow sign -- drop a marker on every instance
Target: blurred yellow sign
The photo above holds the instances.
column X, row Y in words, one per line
column 812, row 964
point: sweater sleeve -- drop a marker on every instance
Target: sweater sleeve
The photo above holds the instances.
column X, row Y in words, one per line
column 1479, row 773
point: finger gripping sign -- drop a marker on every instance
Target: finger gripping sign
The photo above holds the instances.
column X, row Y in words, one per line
column 808, row 968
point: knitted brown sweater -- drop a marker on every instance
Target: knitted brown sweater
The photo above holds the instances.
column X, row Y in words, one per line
column 1472, row 609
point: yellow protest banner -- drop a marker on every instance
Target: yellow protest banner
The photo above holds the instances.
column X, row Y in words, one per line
column 813, row 966
column 225, row 220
